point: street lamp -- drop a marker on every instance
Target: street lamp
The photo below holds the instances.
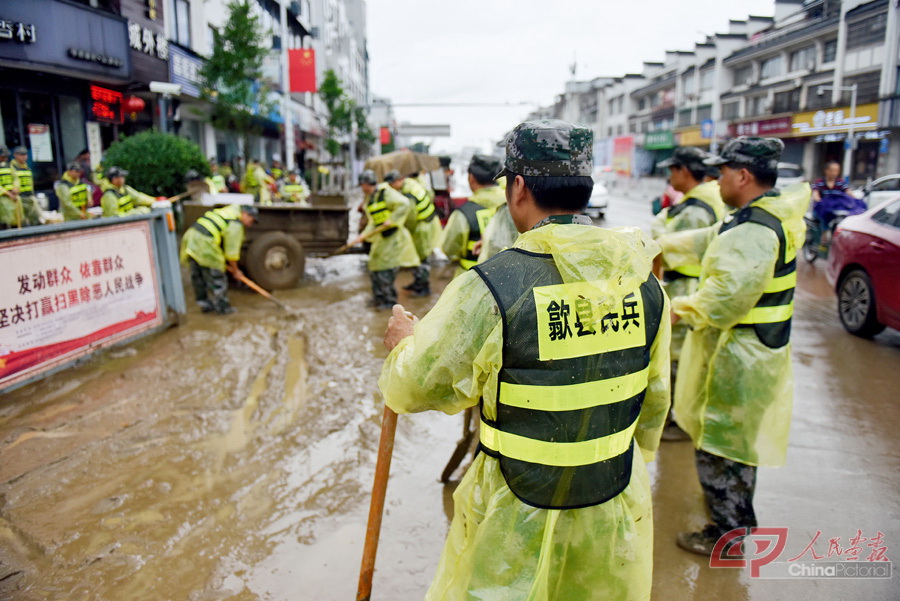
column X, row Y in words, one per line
column 851, row 140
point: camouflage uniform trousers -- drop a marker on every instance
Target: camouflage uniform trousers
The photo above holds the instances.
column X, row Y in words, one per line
column 383, row 291
column 421, row 277
column 210, row 287
column 728, row 488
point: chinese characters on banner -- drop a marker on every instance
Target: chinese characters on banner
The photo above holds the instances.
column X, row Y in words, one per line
column 571, row 324
column 13, row 31
column 67, row 294
column 144, row 40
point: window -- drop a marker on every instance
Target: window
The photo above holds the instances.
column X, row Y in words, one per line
column 866, row 87
column 688, row 83
column 830, row 51
column 888, row 185
column 755, row 105
column 867, row 31
column 787, row 102
column 889, row 215
column 684, row 118
column 704, row 113
column 742, row 75
column 642, row 103
column 731, row 110
column 178, row 21
column 802, row 59
column 772, row 67
column 707, row 79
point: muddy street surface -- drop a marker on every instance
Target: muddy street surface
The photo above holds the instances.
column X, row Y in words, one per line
column 232, row 458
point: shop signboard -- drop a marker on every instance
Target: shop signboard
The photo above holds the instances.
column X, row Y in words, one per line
column 829, row 121
column 184, row 69
column 106, row 105
column 692, row 137
column 659, row 140
column 67, row 294
column 47, row 35
column 623, row 154
column 147, row 39
column 782, row 126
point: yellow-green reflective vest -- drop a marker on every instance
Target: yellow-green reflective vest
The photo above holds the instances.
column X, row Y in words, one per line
column 78, row 194
column 213, row 224
column 26, row 179
column 378, row 212
column 250, row 177
column 478, row 217
column 124, row 201
column 218, row 181
column 687, row 271
column 6, row 176
column 771, row 316
column 291, row 189
column 277, row 173
column 572, row 382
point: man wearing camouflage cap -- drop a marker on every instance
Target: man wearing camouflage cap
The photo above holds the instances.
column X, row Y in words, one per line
column 466, row 224
column 562, row 342
column 74, row 194
column 735, row 387
column 422, row 224
column 119, row 199
column 699, row 207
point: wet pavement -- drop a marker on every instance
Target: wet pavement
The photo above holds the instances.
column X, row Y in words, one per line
column 232, row 458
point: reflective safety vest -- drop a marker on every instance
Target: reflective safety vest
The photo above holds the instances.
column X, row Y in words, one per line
column 78, row 194
column 250, row 177
column 572, row 382
column 771, row 316
column 687, row 271
column 277, row 173
column 125, row 201
column 218, row 181
column 26, row 179
column 213, row 224
column 478, row 218
column 378, row 212
column 424, row 205
column 291, row 189
column 6, row 176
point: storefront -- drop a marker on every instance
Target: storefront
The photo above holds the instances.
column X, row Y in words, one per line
column 49, row 71
column 826, row 132
column 692, row 136
column 657, row 146
column 779, row 127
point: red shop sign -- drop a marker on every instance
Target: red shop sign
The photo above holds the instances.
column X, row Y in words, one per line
column 106, row 105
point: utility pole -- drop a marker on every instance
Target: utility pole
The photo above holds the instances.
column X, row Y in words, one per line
column 289, row 143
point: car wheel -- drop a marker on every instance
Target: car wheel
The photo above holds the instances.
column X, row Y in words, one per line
column 856, row 305
column 275, row 261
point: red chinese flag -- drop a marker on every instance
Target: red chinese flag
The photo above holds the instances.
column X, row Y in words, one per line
column 303, row 69
column 385, row 135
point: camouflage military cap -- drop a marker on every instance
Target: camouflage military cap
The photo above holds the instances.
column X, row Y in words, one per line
column 549, row 148
column 20, row 150
column 73, row 166
column 116, row 172
column 250, row 210
column 750, row 151
column 486, row 164
column 686, row 156
column 368, row 177
column 392, row 176
column 4, row 151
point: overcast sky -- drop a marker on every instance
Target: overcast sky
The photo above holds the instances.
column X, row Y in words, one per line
column 520, row 51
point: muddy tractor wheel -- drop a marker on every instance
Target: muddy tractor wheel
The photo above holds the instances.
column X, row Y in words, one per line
column 276, row 261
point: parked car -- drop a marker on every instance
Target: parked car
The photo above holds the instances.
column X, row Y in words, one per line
column 883, row 188
column 863, row 267
column 599, row 201
column 789, row 173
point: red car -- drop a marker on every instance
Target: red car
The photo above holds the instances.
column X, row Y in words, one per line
column 864, row 268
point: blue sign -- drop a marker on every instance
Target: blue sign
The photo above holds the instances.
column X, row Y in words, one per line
column 883, row 147
column 707, row 129
column 184, row 69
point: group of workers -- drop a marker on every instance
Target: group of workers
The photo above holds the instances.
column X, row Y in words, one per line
column 563, row 340
column 404, row 231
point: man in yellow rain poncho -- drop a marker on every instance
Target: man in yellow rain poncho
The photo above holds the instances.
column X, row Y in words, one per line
column 700, row 207
column 500, row 233
column 466, row 224
column 119, row 199
column 392, row 244
column 563, row 342
column 735, row 387
column 422, row 223
column 212, row 245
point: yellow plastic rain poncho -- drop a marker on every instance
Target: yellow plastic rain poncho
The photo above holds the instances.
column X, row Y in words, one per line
column 734, row 394
column 396, row 250
column 456, row 232
column 256, row 182
column 689, row 218
column 110, row 201
column 426, row 234
column 500, row 233
column 206, row 252
column 63, row 193
column 498, row 547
